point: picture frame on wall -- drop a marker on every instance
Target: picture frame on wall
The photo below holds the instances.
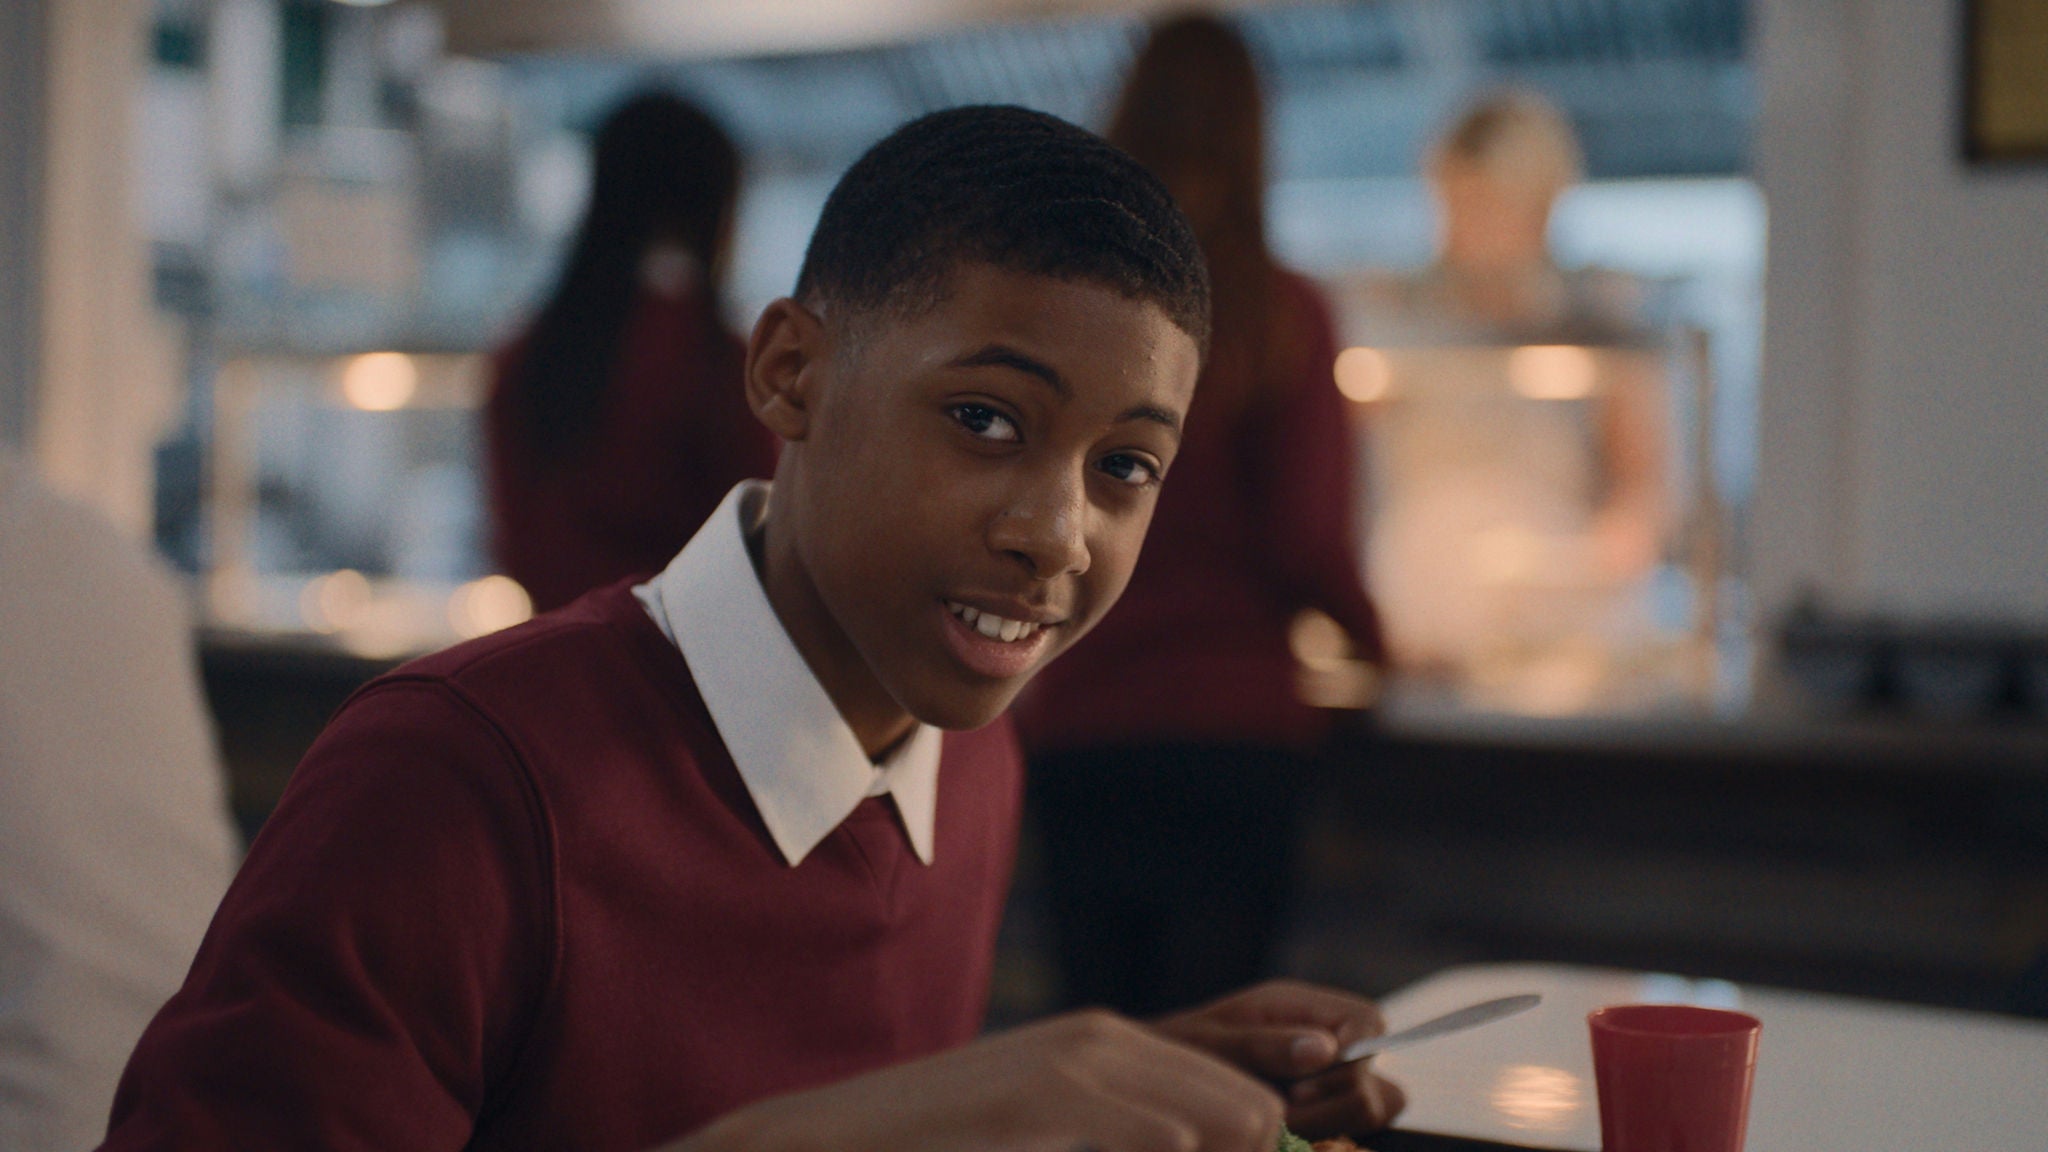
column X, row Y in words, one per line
column 2005, row 81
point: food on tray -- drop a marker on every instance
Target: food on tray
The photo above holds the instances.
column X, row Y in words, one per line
column 1289, row 1142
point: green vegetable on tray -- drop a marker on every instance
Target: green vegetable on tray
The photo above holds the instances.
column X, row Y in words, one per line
column 1289, row 1142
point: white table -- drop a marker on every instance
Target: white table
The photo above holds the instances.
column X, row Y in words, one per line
column 1832, row 1073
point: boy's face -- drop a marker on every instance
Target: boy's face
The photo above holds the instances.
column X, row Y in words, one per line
column 964, row 492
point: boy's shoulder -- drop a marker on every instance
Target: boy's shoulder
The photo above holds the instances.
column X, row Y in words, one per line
column 603, row 644
column 608, row 616
column 583, row 668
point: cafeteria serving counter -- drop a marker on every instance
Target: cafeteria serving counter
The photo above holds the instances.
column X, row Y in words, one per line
column 1878, row 857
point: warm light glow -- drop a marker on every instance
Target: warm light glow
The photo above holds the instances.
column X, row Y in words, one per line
column 1564, row 682
column 1534, row 1098
column 335, row 601
column 232, row 596
column 1328, row 676
column 484, row 606
column 1505, row 554
column 1553, row 371
column 1318, row 639
column 1364, row 374
column 380, row 381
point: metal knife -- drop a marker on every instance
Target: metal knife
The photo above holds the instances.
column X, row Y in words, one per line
column 1473, row 1016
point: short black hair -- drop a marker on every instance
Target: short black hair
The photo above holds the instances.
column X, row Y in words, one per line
column 1005, row 186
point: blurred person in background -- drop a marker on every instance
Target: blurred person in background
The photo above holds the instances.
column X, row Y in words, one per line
column 1169, row 749
column 616, row 421
column 115, row 844
column 1470, row 489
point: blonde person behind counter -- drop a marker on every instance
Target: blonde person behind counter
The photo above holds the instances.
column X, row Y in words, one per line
column 114, row 837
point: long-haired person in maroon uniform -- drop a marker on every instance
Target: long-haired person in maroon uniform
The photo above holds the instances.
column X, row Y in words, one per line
column 1168, row 749
column 616, row 420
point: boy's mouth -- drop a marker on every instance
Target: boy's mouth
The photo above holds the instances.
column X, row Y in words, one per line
column 996, row 646
column 992, row 626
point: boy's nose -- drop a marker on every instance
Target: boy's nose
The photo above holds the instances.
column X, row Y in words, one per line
column 1044, row 529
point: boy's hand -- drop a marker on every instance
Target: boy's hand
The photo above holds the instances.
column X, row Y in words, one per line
column 1290, row 1033
column 1090, row 1080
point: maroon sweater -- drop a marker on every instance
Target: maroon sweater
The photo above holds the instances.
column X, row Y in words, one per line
column 517, row 896
column 672, row 438
column 1255, row 524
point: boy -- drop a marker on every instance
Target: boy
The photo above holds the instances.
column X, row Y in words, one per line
column 689, row 851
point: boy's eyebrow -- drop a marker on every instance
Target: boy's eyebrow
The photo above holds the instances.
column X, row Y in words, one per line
column 1164, row 416
column 1003, row 356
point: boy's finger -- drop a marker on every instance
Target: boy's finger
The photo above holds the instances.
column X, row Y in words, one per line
column 1274, row 1052
column 1287, row 1053
column 1311, row 1089
column 1294, row 1003
column 1228, row 1109
column 1370, row 1105
column 1104, row 1122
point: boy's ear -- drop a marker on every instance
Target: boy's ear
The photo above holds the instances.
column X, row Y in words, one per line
column 786, row 357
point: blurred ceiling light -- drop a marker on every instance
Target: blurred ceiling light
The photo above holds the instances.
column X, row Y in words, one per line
column 484, row 606
column 335, row 601
column 380, row 381
column 1553, row 371
column 1364, row 374
column 363, row 3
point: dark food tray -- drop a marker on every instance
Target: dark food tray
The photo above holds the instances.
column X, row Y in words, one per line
column 1396, row 1140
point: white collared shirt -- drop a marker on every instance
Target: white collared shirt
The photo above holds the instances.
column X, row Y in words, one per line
column 802, row 765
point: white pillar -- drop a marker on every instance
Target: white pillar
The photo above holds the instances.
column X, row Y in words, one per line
column 106, row 389
column 1807, row 152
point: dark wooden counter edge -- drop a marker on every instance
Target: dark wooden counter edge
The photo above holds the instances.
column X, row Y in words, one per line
column 310, row 656
column 1675, row 741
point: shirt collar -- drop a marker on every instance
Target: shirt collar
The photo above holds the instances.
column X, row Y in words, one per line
column 800, row 762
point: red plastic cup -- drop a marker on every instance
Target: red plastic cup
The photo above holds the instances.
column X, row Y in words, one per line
column 1673, row 1078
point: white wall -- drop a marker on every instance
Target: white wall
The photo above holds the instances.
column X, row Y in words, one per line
column 1904, row 414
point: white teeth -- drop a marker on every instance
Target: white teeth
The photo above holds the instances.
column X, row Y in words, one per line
column 991, row 625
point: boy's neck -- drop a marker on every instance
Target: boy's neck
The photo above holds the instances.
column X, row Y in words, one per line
column 877, row 720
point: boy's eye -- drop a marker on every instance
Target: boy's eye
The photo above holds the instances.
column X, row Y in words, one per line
column 986, row 422
column 1133, row 470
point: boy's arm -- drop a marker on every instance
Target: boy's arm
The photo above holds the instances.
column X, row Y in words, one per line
column 371, row 969
column 1090, row 1080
